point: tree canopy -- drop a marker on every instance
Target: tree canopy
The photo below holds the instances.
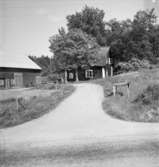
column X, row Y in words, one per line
column 129, row 40
column 72, row 49
column 89, row 20
column 44, row 62
column 134, row 39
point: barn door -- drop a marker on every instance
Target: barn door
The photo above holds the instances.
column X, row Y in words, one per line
column 18, row 77
column 7, row 83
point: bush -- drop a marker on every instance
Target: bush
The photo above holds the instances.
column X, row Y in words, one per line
column 123, row 67
column 48, row 86
column 132, row 65
column 137, row 63
column 55, row 78
column 150, row 96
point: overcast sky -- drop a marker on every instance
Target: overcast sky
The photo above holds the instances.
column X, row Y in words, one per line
column 26, row 25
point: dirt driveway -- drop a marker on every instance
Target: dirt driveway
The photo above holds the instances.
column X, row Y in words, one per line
column 79, row 133
column 80, row 119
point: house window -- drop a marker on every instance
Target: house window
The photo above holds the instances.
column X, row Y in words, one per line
column 2, row 83
column 89, row 73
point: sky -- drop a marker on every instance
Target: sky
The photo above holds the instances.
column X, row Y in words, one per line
column 27, row 25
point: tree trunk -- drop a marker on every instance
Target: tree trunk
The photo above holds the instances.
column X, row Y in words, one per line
column 103, row 72
column 65, row 77
column 76, row 73
column 111, row 68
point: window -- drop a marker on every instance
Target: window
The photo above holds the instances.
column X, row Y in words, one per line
column 2, row 83
column 71, row 76
column 12, row 81
column 89, row 73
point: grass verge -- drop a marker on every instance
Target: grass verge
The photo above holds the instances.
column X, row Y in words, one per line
column 15, row 111
column 143, row 103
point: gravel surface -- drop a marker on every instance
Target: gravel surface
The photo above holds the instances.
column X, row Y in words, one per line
column 79, row 133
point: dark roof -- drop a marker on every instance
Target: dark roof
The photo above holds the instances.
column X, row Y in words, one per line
column 101, row 57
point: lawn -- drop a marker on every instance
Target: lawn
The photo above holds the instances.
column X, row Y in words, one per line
column 21, row 105
column 143, row 103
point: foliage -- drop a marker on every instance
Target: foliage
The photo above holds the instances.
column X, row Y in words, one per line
column 131, row 42
column 143, row 103
column 73, row 49
column 133, row 64
column 144, row 20
column 44, row 62
column 154, row 40
column 33, row 107
column 150, row 96
column 89, row 20
column 137, row 39
column 123, row 67
column 55, row 77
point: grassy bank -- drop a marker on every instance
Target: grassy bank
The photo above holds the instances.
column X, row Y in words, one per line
column 143, row 103
column 17, row 107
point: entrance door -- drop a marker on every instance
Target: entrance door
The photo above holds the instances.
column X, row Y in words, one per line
column 71, row 75
column 7, row 83
column 18, row 77
column 2, row 83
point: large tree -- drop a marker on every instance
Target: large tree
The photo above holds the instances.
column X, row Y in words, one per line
column 144, row 20
column 73, row 49
column 115, row 29
column 134, row 39
column 154, row 40
column 89, row 20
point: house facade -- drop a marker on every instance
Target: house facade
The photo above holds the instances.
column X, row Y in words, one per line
column 17, row 72
column 100, row 68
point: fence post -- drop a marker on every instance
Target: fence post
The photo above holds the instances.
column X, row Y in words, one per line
column 128, row 91
column 2, row 148
column 114, row 90
column 17, row 104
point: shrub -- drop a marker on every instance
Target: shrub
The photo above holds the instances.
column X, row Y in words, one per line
column 137, row 63
column 55, row 78
column 123, row 67
column 48, row 86
column 132, row 65
column 150, row 96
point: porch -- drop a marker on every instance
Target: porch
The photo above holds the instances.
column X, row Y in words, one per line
column 94, row 72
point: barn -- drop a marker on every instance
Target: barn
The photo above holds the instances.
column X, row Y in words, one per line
column 17, row 71
column 101, row 67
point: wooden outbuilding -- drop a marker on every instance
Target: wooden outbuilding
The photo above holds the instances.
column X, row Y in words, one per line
column 17, row 71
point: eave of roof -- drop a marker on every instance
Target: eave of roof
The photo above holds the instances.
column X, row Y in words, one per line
column 20, row 62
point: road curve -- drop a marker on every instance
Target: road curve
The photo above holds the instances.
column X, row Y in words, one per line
column 78, row 133
column 78, row 119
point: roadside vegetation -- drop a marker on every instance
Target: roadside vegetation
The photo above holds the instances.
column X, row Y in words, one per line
column 143, row 103
column 17, row 107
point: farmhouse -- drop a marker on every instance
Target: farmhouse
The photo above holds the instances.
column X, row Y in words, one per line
column 17, row 71
column 101, row 67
